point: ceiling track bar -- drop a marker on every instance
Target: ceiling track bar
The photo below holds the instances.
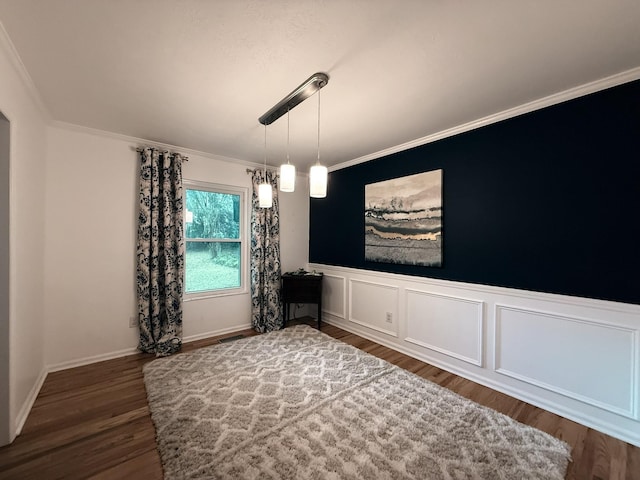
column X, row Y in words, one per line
column 310, row 86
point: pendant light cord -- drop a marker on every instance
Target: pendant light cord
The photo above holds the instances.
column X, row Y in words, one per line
column 288, row 136
column 265, row 153
column 318, row 127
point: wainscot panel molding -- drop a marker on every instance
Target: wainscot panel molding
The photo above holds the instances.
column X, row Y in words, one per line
column 371, row 303
column 573, row 356
column 334, row 289
column 447, row 324
column 598, row 366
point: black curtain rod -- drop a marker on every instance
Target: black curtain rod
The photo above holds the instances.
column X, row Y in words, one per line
column 184, row 157
column 251, row 170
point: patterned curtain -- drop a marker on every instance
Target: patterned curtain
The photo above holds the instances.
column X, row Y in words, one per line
column 160, row 268
column 266, row 308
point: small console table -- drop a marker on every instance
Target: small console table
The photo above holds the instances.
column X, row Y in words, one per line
column 302, row 288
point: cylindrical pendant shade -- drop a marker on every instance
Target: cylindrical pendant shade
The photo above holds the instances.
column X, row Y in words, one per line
column 265, row 195
column 287, row 177
column 318, row 181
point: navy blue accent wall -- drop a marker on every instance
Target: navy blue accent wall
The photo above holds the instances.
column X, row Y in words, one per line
column 547, row 201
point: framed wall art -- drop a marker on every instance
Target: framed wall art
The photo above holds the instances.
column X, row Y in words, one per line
column 403, row 220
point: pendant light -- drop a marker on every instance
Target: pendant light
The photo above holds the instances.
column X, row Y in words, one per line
column 318, row 173
column 265, row 195
column 287, row 171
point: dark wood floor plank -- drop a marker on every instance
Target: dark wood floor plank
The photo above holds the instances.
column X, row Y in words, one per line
column 145, row 466
column 30, row 446
column 94, row 422
column 633, row 463
column 90, row 455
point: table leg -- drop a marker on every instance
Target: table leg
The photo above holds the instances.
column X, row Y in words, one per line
column 286, row 315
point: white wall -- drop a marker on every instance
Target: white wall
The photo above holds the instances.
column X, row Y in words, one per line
column 26, row 257
column 91, row 208
column 577, row 357
column 294, row 226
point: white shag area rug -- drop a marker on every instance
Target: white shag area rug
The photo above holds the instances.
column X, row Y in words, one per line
column 298, row 404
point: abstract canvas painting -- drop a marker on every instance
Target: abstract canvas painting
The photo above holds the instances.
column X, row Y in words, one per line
column 403, row 220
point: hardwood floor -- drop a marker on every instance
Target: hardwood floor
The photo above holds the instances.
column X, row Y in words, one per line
column 93, row 422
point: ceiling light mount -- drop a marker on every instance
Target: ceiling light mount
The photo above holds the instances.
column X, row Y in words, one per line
column 310, row 86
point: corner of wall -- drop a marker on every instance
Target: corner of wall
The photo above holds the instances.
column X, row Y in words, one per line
column 20, row 102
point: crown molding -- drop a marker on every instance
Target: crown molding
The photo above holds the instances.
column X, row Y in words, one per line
column 592, row 87
column 7, row 45
column 138, row 142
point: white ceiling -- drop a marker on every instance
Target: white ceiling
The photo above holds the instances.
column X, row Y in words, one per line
column 197, row 74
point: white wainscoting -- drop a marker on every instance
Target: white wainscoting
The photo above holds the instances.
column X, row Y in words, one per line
column 446, row 324
column 588, row 360
column 334, row 295
column 371, row 303
column 576, row 357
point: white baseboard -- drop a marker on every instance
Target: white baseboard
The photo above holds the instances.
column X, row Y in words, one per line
column 216, row 333
column 28, row 403
column 80, row 362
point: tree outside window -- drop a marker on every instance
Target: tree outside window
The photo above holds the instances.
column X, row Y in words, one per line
column 213, row 237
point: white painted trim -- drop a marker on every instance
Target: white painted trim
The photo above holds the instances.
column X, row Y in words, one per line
column 216, row 333
column 606, row 305
column 137, row 142
column 631, row 412
column 244, row 238
column 480, row 325
column 21, row 70
column 21, row 418
column 140, row 142
column 368, row 325
column 344, row 297
column 377, row 284
column 576, row 92
column 80, row 362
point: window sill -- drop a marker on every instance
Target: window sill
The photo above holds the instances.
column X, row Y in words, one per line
column 190, row 297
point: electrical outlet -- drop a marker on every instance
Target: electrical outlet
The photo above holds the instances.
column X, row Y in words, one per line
column 133, row 322
column 389, row 317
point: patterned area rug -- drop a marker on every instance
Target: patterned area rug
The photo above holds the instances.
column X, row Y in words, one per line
column 298, row 404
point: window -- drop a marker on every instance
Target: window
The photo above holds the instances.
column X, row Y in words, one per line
column 214, row 220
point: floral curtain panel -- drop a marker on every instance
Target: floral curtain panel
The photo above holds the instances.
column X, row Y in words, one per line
column 266, row 307
column 160, row 252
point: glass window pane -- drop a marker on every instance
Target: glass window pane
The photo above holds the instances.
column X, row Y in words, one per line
column 211, row 214
column 212, row 266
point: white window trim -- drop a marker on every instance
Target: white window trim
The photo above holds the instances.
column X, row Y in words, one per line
column 244, row 239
